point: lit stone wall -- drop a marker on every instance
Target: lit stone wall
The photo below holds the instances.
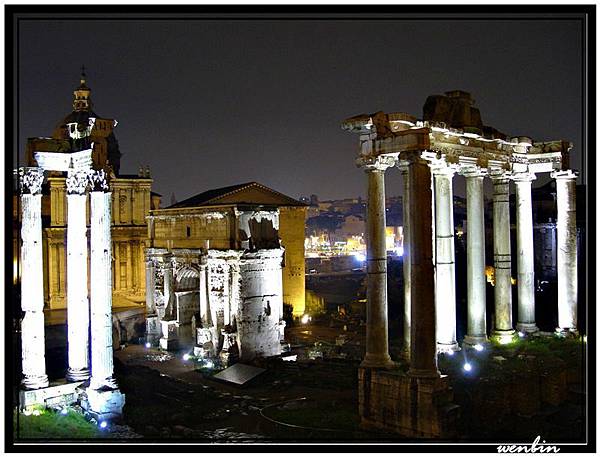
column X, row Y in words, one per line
column 291, row 231
column 131, row 204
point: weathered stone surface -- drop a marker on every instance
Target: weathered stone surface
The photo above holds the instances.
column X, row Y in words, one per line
column 413, row 407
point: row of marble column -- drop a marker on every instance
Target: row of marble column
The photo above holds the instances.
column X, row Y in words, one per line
column 83, row 313
column 439, row 189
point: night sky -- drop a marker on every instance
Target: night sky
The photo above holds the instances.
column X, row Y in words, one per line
column 213, row 103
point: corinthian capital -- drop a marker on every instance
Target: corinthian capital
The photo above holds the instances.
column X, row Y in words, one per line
column 378, row 163
column 77, row 181
column 30, row 180
column 98, row 180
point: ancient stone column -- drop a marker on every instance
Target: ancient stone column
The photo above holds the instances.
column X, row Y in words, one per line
column 525, row 256
column 445, row 289
column 503, row 330
column 168, row 289
column 476, row 323
column 377, row 354
column 406, row 257
column 566, row 260
column 78, row 312
column 101, row 284
column 204, row 312
column 423, row 356
column 32, row 280
column 150, row 286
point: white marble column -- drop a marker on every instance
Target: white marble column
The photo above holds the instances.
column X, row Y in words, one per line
column 476, row 301
column 150, row 287
column 203, row 296
column 525, row 255
column 406, row 243
column 377, row 351
column 78, row 311
column 101, row 289
column 445, row 288
column 32, row 280
column 168, row 290
column 503, row 329
column 566, row 260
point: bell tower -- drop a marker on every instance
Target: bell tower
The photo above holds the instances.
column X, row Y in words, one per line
column 81, row 95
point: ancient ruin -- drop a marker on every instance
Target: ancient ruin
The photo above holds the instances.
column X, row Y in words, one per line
column 89, row 379
column 451, row 139
column 228, row 301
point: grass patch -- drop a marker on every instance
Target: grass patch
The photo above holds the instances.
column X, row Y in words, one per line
column 51, row 425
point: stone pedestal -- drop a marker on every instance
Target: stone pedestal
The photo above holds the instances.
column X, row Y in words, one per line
column 445, row 289
column 204, row 343
column 411, row 406
column 78, row 307
column 377, row 352
column 152, row 329
column 229, row 352
column 566, row 234
column 476, row 321
column 32, row 280
column 525, row 258
column 503, row 329
column 103, row 404
column 169, row 340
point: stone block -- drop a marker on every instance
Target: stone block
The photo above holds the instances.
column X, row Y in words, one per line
column 61, row 395
column 413, row 407
column 103, row 404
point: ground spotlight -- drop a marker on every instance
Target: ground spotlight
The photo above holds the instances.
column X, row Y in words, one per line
column 64, row 411
column 478, row 347
column 148, row 345
column 103, row 424
column 467, row 366
column 521, row 334
column 305, row 319
column 186, row 357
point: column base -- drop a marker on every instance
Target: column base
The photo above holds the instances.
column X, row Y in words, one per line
column 444, row 348
column 473, row 340
column 152, row 330
column 527, row 327
column 77, row 374
column 567, row 332
column 103, row 404
column 103, row 384
column 31, row 382
column 378, row 361
column 504, row 336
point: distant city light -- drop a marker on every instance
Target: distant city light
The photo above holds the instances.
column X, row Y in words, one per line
column 148, row 345
column 103, row 424
column 478, row 347
column 467, row 366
